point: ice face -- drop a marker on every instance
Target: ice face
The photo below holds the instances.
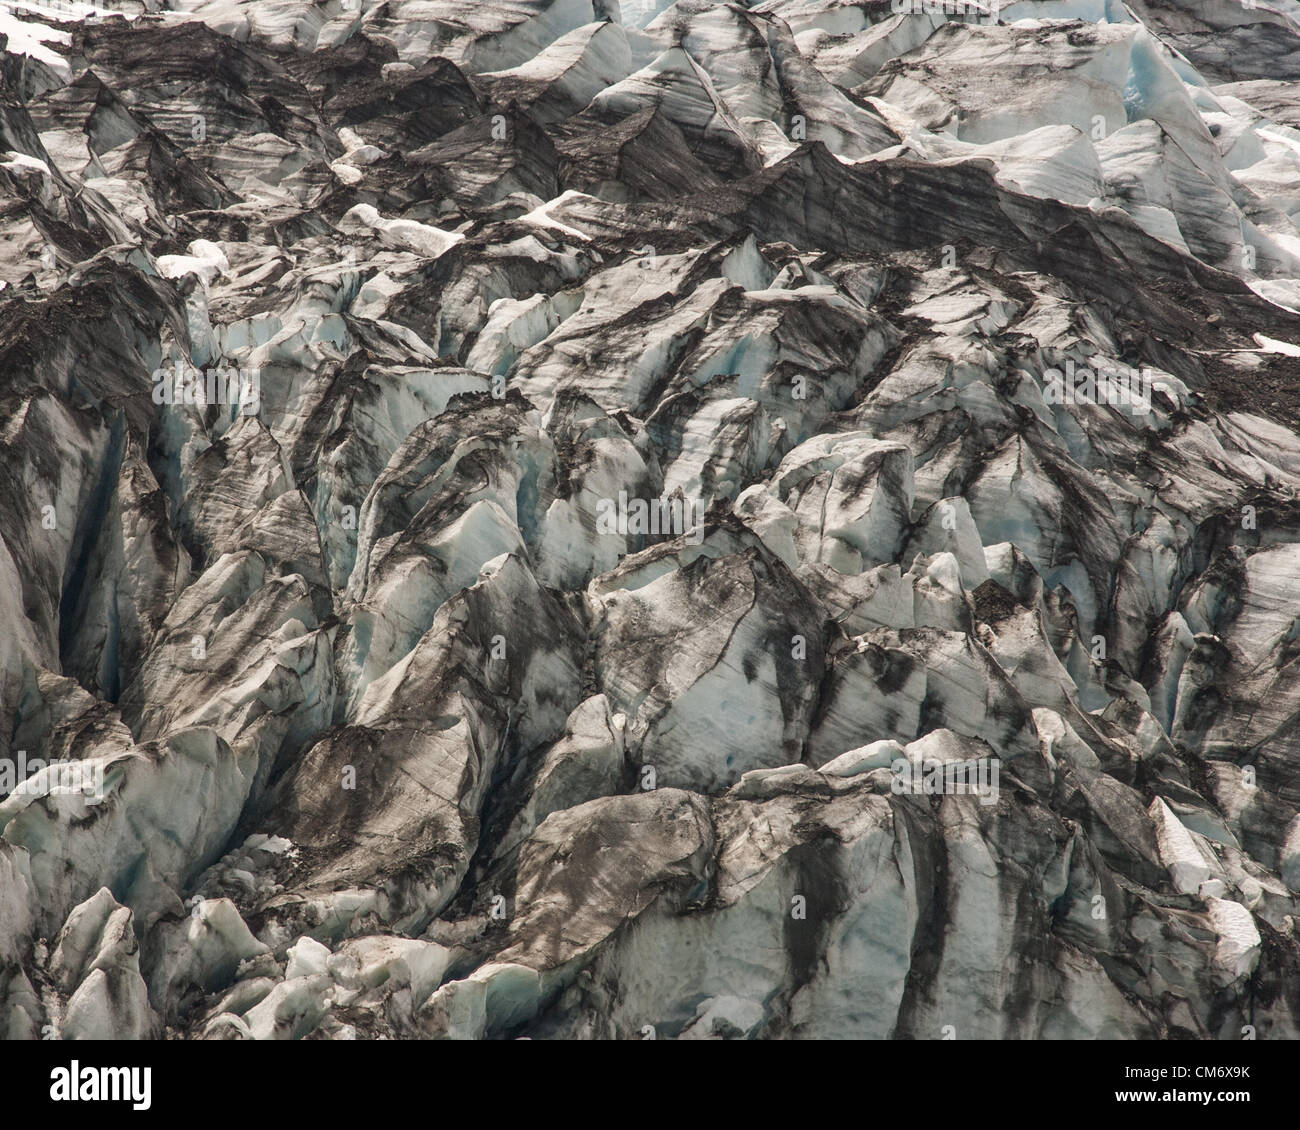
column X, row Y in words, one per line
column 683, row 441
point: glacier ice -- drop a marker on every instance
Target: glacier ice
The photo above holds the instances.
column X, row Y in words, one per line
column 383, row 733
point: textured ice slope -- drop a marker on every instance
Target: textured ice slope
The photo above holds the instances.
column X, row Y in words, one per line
column 652, row 425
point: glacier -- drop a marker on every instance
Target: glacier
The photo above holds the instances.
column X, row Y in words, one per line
column 378, row 728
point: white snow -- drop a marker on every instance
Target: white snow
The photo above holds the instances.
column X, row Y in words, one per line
column 405, row 235
column 31, row 38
